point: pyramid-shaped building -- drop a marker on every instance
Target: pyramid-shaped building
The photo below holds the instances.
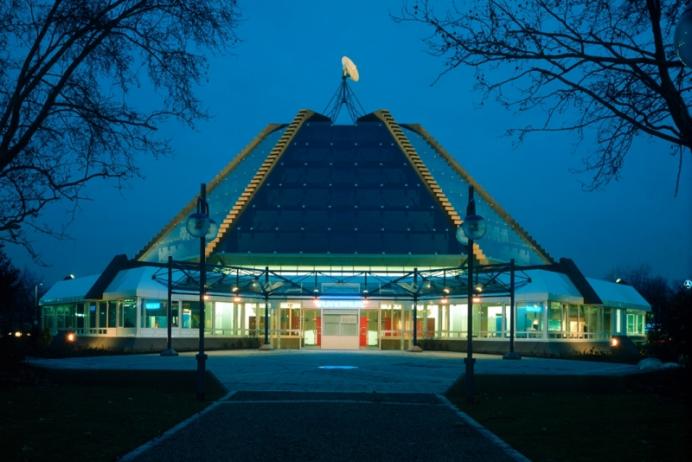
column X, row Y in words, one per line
column 347, row 233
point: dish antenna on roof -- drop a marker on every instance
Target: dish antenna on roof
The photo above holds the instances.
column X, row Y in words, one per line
column 344, row 96
column 350, row 69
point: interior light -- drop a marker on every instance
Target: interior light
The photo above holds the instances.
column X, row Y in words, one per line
column 618, row 281
column 70, row 337
column 446, row 290
column 479, row 288
column 614, row 342
column 234, row 289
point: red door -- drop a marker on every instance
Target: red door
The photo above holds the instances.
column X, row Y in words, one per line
column 363, row 331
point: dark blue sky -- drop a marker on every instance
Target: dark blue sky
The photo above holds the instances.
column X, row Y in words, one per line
column 289, row 59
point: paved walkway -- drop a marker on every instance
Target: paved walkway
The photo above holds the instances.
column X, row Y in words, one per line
column 332, row 371
column 284, row 426
column 332, row 406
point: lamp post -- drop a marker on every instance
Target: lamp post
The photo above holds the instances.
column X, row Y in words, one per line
column 472, row 229
column 200, row 225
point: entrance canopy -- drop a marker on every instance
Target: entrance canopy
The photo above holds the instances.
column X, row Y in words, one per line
column 424, row 284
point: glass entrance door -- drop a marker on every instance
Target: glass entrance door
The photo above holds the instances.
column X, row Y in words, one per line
column 340, row 329
column 369, row 328
column 312, row 327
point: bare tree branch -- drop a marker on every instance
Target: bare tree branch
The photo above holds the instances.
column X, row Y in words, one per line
column 597, row 65
column 66, row 113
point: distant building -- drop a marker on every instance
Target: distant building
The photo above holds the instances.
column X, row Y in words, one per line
column 339, row 228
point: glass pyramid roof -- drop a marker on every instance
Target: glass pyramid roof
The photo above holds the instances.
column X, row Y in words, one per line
column 344, row 190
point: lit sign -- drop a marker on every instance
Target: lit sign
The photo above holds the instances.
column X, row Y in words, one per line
column 532, row 308
column 321, row 303
column 152, row 305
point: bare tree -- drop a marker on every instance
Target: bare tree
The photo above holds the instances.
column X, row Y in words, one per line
column 592, row 66
column 71, row 77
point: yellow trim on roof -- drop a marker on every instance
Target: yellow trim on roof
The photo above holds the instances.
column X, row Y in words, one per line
column 259, row 178
column 425, row 175
column 187, row 210
column 483, row 193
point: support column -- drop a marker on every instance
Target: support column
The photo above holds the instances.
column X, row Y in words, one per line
column 511, row 354
column 266, row 345
column 169, row 351
column 414, row 341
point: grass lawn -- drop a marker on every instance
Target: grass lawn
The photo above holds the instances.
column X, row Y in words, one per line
column 569, row 419
column 75, row 415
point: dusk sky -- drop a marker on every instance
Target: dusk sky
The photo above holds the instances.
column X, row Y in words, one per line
column 289, row 59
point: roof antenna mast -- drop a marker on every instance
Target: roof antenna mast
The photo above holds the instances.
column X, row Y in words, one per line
column 344, row 96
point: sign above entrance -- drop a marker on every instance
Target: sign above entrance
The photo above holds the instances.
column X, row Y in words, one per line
column 325, row 303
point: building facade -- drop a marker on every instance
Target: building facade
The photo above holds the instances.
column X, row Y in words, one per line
column 339, row 237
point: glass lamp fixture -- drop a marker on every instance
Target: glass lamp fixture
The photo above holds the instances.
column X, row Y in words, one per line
column 461, row 236
column 683, row 36
column 199, row 224
column 473, row 227
column 212, row 230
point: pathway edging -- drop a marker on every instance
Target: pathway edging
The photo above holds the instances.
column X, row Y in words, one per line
column 499, row 442
column 132, row 455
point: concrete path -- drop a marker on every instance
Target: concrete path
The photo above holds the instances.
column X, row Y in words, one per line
column 331, row 406
column 284, row 426
column 332, row 371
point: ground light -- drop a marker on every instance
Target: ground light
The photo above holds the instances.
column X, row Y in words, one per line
column 473, row 229
column 200, row 225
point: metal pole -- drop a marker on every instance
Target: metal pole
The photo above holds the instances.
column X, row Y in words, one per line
column 36, row 315
column 201, row 356
column 415, row 308
column 266, row 306
column 512, row 285
column 511, row 307
column 469, row 361
column 169, row 351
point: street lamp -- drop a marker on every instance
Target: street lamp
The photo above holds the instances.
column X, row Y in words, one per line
column 472, row 229
column 200, row 225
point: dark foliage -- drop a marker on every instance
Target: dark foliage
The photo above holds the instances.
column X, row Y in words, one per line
column 13, row 297
column 671, row 307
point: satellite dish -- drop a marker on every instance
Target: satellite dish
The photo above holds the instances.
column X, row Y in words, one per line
column 350, row 69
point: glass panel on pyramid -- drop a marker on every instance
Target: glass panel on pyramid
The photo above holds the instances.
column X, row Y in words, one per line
column 502, row 240
column 225, row 189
